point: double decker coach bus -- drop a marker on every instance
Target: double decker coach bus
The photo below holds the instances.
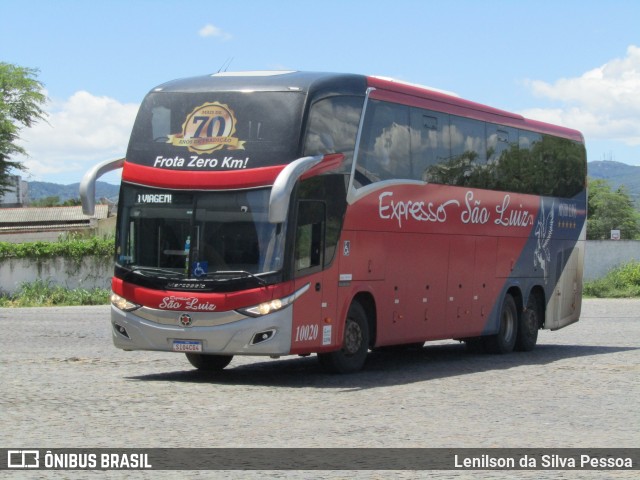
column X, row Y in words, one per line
column 277, row 213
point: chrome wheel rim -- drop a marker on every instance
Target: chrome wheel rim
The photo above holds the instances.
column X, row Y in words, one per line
column 508, row 326
column 352, row 338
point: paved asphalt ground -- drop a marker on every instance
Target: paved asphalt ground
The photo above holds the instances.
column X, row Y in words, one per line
column 63, row 384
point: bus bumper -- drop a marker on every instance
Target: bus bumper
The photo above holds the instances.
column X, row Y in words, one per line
column 266, row 335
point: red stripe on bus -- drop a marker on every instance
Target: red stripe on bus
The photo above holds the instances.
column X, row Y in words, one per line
column 198, row 179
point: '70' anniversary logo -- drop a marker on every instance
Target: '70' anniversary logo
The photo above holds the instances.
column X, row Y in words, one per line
column 208, row 128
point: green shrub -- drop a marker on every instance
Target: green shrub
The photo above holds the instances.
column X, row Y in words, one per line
column 621, row 282
column 68, row 246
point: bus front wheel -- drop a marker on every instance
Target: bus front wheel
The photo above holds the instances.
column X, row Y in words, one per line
column 355, row 346
column 505, row 339
column 208, row 363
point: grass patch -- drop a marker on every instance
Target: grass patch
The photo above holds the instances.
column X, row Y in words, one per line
column 44, row 294
column 621, row 282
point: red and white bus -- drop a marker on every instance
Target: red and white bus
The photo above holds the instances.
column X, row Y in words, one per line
column 279, row 213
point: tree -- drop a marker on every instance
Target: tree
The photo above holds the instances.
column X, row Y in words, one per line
column 21, row 102
column 52, row 201
column 609, row 210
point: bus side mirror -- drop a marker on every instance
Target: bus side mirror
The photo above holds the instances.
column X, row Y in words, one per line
column 301, row 168
column 88, row 183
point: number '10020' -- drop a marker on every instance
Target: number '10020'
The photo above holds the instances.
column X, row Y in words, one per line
column 306, row 332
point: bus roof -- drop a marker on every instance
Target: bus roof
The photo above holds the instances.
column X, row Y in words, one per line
column 352, row 84
column 269, row 81
column 476, row 110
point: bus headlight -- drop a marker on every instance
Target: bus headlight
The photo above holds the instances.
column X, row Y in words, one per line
column 264, row 308
column 122, row 303
column 271, row 306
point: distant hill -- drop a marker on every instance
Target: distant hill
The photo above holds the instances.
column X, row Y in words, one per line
column 40, row 190
column 616, row 174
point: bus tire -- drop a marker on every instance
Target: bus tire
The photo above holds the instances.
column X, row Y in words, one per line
column 504, row 341
column 355, row 346
column 208, row 363
column 528, row 326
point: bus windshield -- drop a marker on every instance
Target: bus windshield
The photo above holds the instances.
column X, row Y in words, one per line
column 205, row 235
column 217, row 130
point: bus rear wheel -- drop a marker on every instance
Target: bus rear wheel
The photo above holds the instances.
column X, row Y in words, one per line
column 208, row 363
column 505, row 340
column 529, row 325
column 355, row 346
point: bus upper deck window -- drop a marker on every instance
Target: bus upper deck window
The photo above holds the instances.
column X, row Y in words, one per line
column 160, row 123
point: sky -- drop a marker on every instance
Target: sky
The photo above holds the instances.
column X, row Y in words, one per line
column 572, row 63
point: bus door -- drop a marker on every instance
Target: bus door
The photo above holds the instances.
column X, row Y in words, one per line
column 314, row 312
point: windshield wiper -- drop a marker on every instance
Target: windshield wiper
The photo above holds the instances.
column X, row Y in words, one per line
column 143, row 271
column 245, row 273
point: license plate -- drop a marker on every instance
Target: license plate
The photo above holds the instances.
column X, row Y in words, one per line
column 187, row 346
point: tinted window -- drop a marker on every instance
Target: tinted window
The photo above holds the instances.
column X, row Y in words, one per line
column 384, row 150
column 466, row 164
column 332, row 127
column 501, row 141
column 429, row 141
column 440, row 148
column 468, row 140
column 332, row 191
column 217, row 130
column 552, row 166
column 541, row 165
column 308, row 250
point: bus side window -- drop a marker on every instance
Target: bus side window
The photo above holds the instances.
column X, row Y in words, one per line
column 467, row 162
column 332, row 127
column 501, row 141
column 502, row 156
column 310, row 227
column 468, row 152
column 529, row 177
column 549, row 165
column 384, row 152
column 568, row 168
column 429, row 142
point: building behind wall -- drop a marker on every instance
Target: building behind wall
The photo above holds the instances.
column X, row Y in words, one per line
column 18, row 225
column 16, row 195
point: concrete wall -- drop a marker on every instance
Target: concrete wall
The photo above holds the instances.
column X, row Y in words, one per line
column 34, row 236
column 90, row 273
column 602, row 255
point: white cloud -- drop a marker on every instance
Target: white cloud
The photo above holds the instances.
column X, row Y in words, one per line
column 604, row 103
column 213, row 31
column 79, row 132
